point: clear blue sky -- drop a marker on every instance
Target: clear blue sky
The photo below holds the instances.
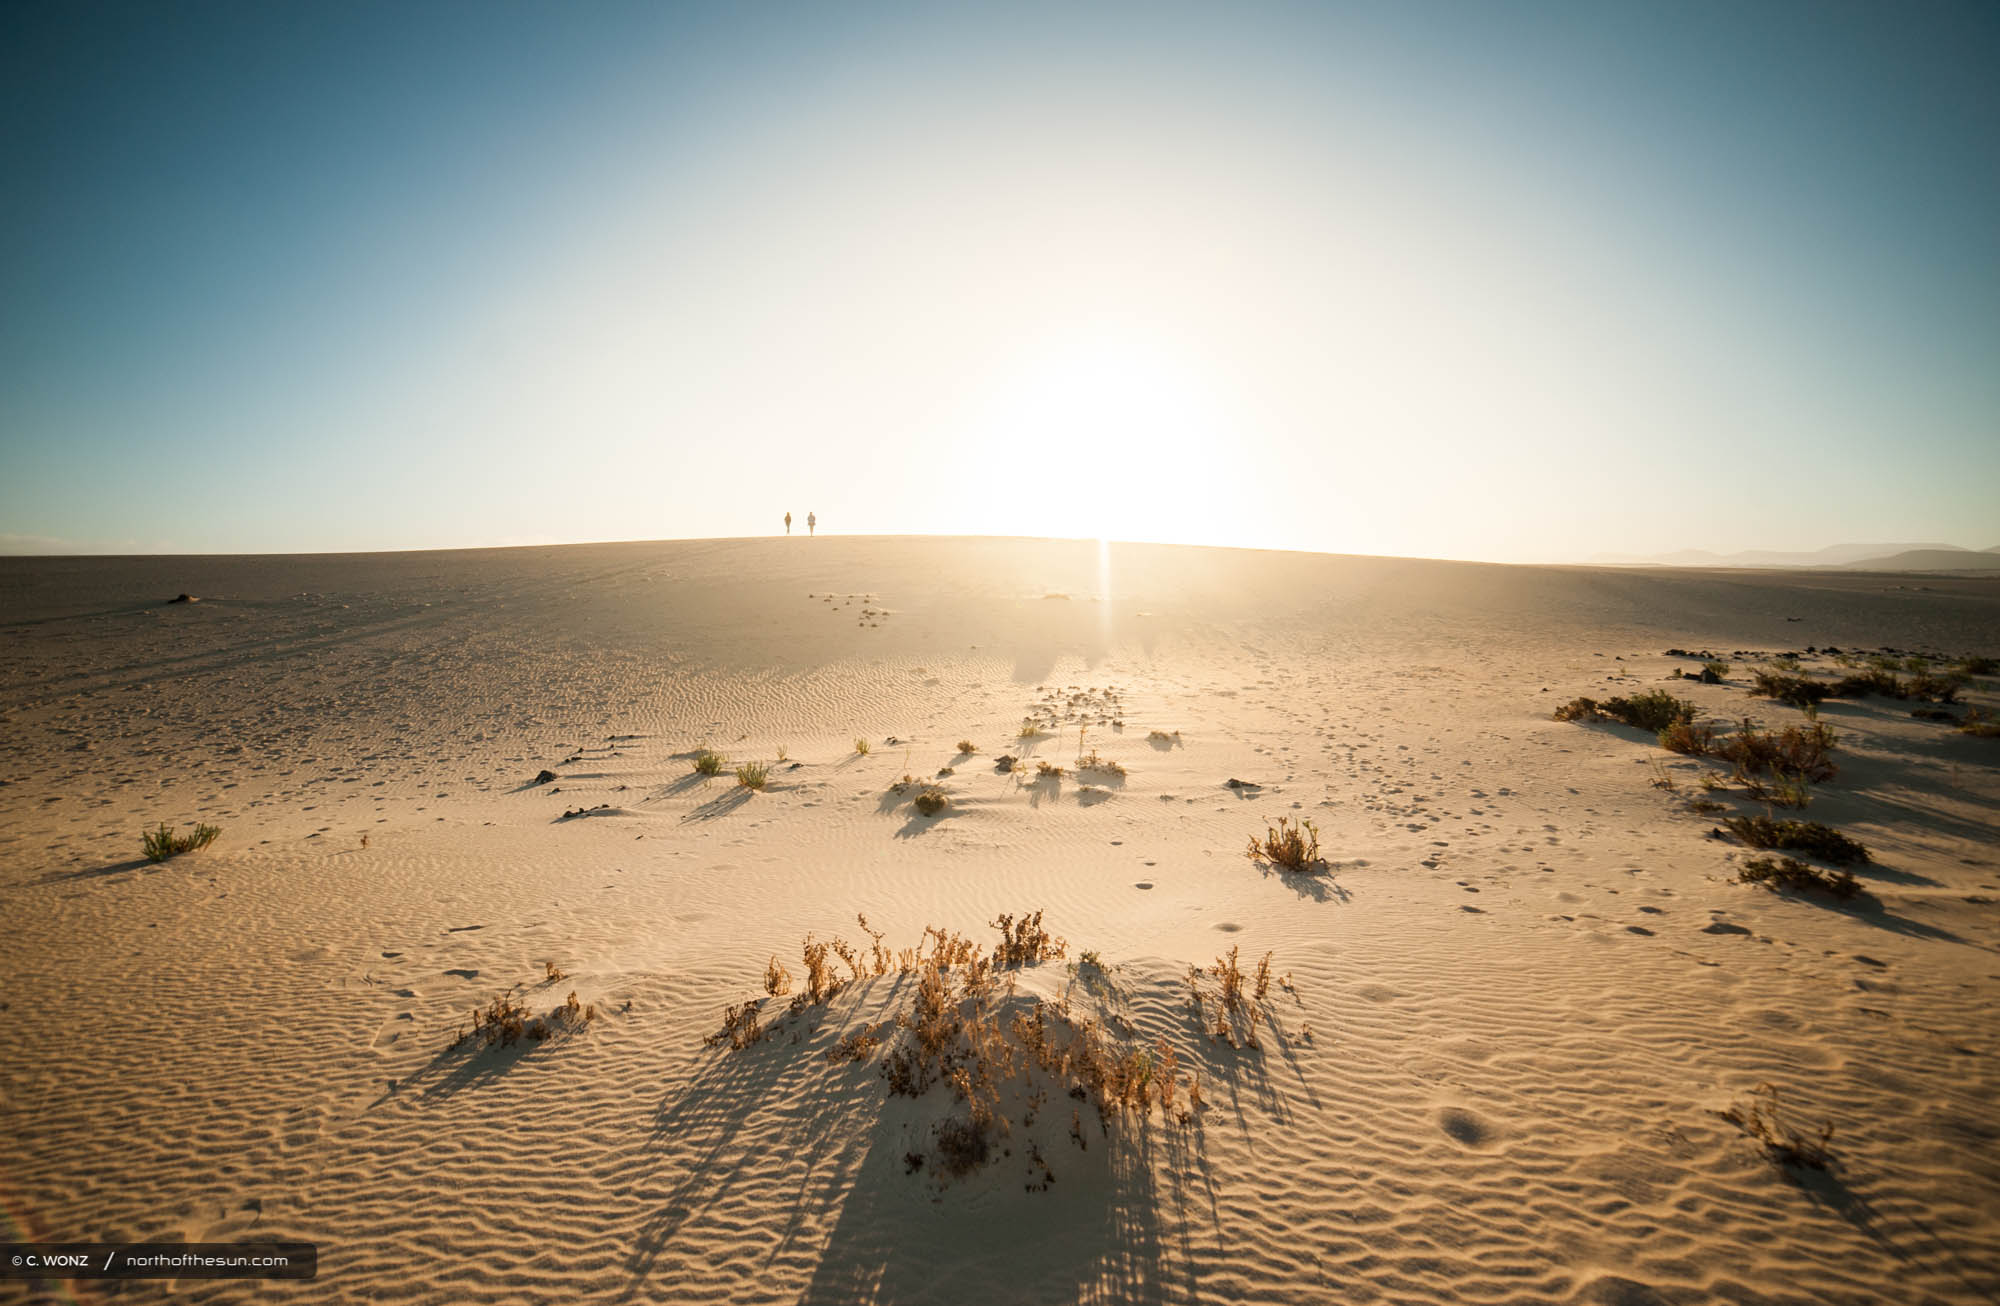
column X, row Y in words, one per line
column 1505, row 281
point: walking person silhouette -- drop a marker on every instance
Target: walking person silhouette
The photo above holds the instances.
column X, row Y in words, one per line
column 788, row 523
column 811, row 522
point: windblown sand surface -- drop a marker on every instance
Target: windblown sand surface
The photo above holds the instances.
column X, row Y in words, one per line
column 1523, row 991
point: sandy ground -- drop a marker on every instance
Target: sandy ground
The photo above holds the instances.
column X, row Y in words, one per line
column 1520, row 996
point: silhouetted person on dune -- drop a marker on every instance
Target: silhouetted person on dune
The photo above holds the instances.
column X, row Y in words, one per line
column 811, row 522
column 788, row 523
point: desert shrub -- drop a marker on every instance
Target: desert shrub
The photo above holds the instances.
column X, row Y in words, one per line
column 163, row 843
column 1578, row 709
column 753, row 775
column 1785, row 1145
column 502, row 1021
column 1879, row 681
column 1002, row 1055
column 1978, row 666
column 1289, row 845
column 931, row 801
column 1796, row 690
column 861, row 747
column 966, row 748
column 1048, row 771
column 1162, row 737
column 505, row 1021
column 1801, row 752
column 1695, row 739
column 1713, row 670
column 1882, row 682
column 1236, row 1012
column 1808, row 837
column 1979, row 725
column 1025, row 942
column 1934, row 689
column 742, row 1026
column 1654, row 710
column 708, row 762
column 1092, row 762
column 1787, row 791
column 1776, row 873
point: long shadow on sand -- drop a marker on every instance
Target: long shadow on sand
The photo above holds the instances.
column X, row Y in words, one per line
column 778, row 1127
column 99, row 872
column 469, row 1064
column 721, row 805
column 1828, row 1191
column 1869, row 909
column 1318, row 886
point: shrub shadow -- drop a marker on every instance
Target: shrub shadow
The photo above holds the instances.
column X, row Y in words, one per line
column 721, row 805
column 875, row 1230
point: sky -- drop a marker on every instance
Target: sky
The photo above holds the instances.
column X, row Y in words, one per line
column 1510, row 282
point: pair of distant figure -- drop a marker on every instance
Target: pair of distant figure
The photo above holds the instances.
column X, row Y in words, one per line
column 811, row 522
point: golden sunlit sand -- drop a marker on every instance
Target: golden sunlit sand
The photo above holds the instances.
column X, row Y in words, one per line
column 1511, row 1044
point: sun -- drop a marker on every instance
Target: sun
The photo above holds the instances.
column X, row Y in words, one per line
column 1129, row 421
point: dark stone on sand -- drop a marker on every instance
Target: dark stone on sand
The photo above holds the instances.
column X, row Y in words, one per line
column 1234, row 783
column 545, row 777
column 185, row 598
column 1005, row 762
column 1723, row 927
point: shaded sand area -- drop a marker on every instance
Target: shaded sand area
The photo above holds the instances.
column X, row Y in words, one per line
column 1503, row 1021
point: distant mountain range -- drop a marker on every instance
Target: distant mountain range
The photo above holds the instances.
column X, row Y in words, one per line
column 1846, row 557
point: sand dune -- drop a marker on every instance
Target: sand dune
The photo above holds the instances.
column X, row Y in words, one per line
column 1521, row 992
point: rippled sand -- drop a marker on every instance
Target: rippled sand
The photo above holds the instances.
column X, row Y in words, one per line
column 1523, row 990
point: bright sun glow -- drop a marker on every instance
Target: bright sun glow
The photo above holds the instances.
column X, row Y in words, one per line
column 1128, row 423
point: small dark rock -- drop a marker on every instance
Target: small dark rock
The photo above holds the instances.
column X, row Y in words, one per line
column 185, row 598
column 545, row 777
column 1005, row 762
column 1234, row 783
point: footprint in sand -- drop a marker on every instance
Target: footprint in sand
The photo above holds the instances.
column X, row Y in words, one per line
column 393, row 1029
column 1465, row 1127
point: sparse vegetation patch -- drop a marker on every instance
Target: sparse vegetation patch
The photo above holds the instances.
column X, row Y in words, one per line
column 1654, row 710
column 1759, row 1117
column 1790, row 873
column 1800, row 752
column 1008, row 1061
column 1289, row 845
column 1809, row 837
column 163, row 843
column 1979, row 725
column 506, row 1020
